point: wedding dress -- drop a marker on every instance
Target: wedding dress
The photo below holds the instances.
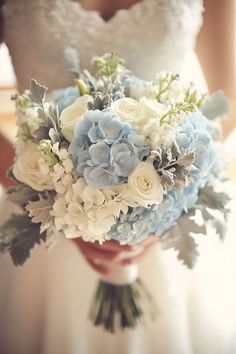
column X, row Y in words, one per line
column 44, row 304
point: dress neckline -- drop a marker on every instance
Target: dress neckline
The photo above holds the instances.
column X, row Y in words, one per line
column 94, row 13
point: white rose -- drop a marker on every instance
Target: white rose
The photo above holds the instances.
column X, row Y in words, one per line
column 137, row 113
column 72, row 114
column 129, row 110
column 144, row 185
column 151, row 108
column 28, row 168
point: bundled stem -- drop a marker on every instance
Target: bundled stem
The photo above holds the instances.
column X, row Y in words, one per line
column 119, row 307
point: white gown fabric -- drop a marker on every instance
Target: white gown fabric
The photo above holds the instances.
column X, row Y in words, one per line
column 44, row 304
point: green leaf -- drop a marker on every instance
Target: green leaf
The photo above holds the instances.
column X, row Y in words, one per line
column 165, row 84
column 108, row 64
column 46, row 148
column 18, row 236
column 177, row 109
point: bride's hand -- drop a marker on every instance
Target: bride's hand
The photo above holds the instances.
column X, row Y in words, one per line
column 99, row 256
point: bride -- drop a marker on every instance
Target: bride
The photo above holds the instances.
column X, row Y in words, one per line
column 44, row 305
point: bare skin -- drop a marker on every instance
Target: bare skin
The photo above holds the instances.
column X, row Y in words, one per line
column 216, row 52
column 215, row 49
column 107, row 8
column 98, row 256
column 6, row 160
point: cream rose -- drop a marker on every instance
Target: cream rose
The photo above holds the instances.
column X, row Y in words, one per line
column 137, row 113
column 30, row 168
column 72, row 114
column 151, row 108
column 129, row 110
column 144, row 185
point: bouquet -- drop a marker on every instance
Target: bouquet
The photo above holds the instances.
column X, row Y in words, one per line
column 117, row 158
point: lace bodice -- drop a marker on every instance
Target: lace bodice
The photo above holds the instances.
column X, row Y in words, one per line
column 46, row 38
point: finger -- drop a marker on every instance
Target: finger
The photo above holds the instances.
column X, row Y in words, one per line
column 148, row 241
column 114, row 246
column 108, row 246
column 98, row 267
column 132, row 260
column 93, row 253
column 139, row 256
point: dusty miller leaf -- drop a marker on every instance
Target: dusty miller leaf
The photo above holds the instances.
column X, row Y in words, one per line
column 39, row 211
column 50, row 129
column 179, row 238
column 53, row 236
column 173, row 165
column 18, row 236
column 209, row 201
column 21, row 194
column 37, row 92
column 186, row 160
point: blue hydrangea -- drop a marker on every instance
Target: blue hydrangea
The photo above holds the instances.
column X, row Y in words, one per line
column 106, row 150
column 65, row 98
column 140, row 222
column 135, row 87
column 195, row 135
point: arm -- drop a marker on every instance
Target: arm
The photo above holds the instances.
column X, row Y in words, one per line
column 216, row 52
column 6, row 160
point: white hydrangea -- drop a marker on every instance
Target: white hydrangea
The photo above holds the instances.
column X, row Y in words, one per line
column 87, row 212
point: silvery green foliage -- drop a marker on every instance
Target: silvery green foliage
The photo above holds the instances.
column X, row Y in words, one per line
column 18, row 236
column 216, row 106
column 50, row 129
column 39, row 211
column 173, row 166
column 89, row 80
column 208, row 201
column 179, row 236
column 21, row 194
column 100, row 102
column 47, row 113
column 108, row 89
column 37, row 93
